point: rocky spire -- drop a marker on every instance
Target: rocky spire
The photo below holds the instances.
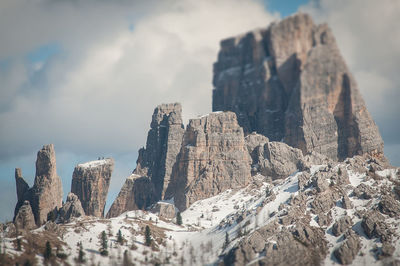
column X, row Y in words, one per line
column 22, row 186
column 154, row 165
column 163, row 144
column 90, row 182
column 289, row 82
column 213, row 158
column 46, row 193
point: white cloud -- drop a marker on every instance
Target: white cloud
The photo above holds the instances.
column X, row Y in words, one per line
column 96, row 96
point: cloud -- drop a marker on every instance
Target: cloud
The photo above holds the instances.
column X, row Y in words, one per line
column 109, row 65
column 368, row 36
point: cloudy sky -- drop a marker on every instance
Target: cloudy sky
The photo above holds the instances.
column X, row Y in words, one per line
column 86, row 75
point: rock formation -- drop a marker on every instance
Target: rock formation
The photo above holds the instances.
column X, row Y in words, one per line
column 213, row 158
column 45, row 197
column 164, row 210
column 90, row 182
column 136, row 193
column 273, row 159
column 24, row 218
column 163, row 144
column 22, row 186
column 290, row 83
column 152, row 175
column 71, row 209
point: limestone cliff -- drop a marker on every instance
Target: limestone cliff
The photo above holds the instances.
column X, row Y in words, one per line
column 90, row 182
column 213, row 158
column 290, row 83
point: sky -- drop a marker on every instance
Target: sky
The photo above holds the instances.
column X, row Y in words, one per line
column 86, row 75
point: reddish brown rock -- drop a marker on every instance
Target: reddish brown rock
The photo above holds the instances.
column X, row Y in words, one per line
column 90, row 182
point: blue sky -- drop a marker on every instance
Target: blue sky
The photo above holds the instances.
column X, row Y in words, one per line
column 89, row 85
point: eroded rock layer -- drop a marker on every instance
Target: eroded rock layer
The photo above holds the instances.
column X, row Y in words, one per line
column 289, row 82
column 90, row 182
column 45, row 196
column 213, row 158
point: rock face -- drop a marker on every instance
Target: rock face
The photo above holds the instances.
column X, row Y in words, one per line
column 24, row 218
column 72, row 208
column 152, row 175
column 136, row 193
column 274, row 159
column 45, row 197
column 22, row 186
column 289, row 82
column 47, row 190
column 90, row 182
column 213, row 158
column 164, row 210
column 162, row 147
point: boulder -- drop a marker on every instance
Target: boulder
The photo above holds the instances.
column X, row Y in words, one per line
column 164, row 210
column 290, row 83
column 342, row 225
column 389, row 206
column 71, row 209
column 346, row 253
column 273, row 159
column 90, row 182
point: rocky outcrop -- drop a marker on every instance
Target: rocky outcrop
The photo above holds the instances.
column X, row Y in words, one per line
column 213, row 158
column 341, row 225
column 45, row 197
column 24, row 218
column 346, row 253
column 164, row 210
column 273, row 159
column 154, row 165
column 162, row 147
column 47, row 190
column 90, row 182
column 290, row 83
column 22, row 186
column 71, row 209
column 136, row 193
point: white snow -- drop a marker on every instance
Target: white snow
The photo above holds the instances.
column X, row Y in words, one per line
column 95, row 163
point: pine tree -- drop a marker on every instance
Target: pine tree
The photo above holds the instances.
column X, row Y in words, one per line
column 104, row 244
column 81, row 254
column 148, row 236
column 179, row 218
column 120, row 239
column 18, row 244
column 47, row 252
column 339, row 171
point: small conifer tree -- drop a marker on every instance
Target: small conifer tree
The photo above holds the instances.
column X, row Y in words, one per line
column 47, row 251
column 104, row 244
column 179, row 218
column 148, row 236
column 120, row 239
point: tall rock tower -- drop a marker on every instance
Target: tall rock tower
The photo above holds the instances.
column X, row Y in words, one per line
column 290, row 83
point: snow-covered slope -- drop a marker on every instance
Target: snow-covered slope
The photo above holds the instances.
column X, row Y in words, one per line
column 220, row 227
